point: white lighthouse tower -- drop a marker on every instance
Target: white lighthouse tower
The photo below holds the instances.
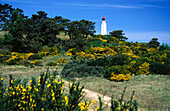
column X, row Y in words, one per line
column 103, row 27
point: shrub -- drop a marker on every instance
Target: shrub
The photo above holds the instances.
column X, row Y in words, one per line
column 117, row 73
column 48, row 51
column 158, row 68
column 136, row 64
column 154, row 43
column 79, row 43
column 4, row 55
column 143, row 69
column 34, row 56
column 13, row 60
column 46, row 94
column 81, row 69
column 120, row 77
column 62, row 61
column 108, row 61
column 36, row 62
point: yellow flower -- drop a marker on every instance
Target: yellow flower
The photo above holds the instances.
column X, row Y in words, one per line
column 13, row 92
column 96, row 108
column 19, row 105
column 82, row 108
column 118, row 108
column 66, row 99
column 42, row 109
column 53, row 98
column 48, row 85
column 59, row 82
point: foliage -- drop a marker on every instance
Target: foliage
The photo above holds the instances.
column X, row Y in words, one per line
column 118, row 34
column 13, row 60
column 158, row 68
column 4, row 55
column 136, row 56
column 91, row 53
column 163, row 46
column 62, row 60
column 4, row 14
column 143, row 69
column 78, row 43
column 117, row 73
column 46, row 94
column 154, row 43
column 31, row 34
column 7, row 39
column 46, row 51
column 23, row 59
column 81, row 69
column 80, row 29
column 108, row 61
column 34, row 56
column 120, row 77
column 36, row 63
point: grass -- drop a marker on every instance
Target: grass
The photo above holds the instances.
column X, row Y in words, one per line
column 49, row 59
column 151, row 91
column 24, row 72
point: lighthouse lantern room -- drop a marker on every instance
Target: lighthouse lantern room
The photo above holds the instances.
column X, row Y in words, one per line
column 103, row 27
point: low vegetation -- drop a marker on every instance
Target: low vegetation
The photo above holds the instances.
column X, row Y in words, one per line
column 104, row 64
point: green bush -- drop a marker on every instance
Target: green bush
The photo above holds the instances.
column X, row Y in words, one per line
column 158, row 68
column 4, row 55
column 109, row 61
column 135, row 63
column 80, row 44
column 81, row 69
column 117, row 69
column 34, row 56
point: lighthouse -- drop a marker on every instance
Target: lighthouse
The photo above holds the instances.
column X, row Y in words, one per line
column 103, row 27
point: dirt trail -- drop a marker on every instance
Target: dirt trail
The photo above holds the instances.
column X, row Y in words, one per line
column 92, row 95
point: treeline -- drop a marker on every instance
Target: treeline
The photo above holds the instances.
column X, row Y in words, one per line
column 24, row 34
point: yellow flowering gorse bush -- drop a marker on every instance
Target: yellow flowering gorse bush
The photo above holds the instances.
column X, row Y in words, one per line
column 46, row 94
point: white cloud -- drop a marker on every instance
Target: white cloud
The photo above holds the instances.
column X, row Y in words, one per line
column 96, row 5
column 81, row 5
column 73, row 5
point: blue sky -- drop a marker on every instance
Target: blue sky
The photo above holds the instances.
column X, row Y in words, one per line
column 141, row 20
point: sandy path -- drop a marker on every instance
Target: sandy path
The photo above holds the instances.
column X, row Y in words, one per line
column 92, row 96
